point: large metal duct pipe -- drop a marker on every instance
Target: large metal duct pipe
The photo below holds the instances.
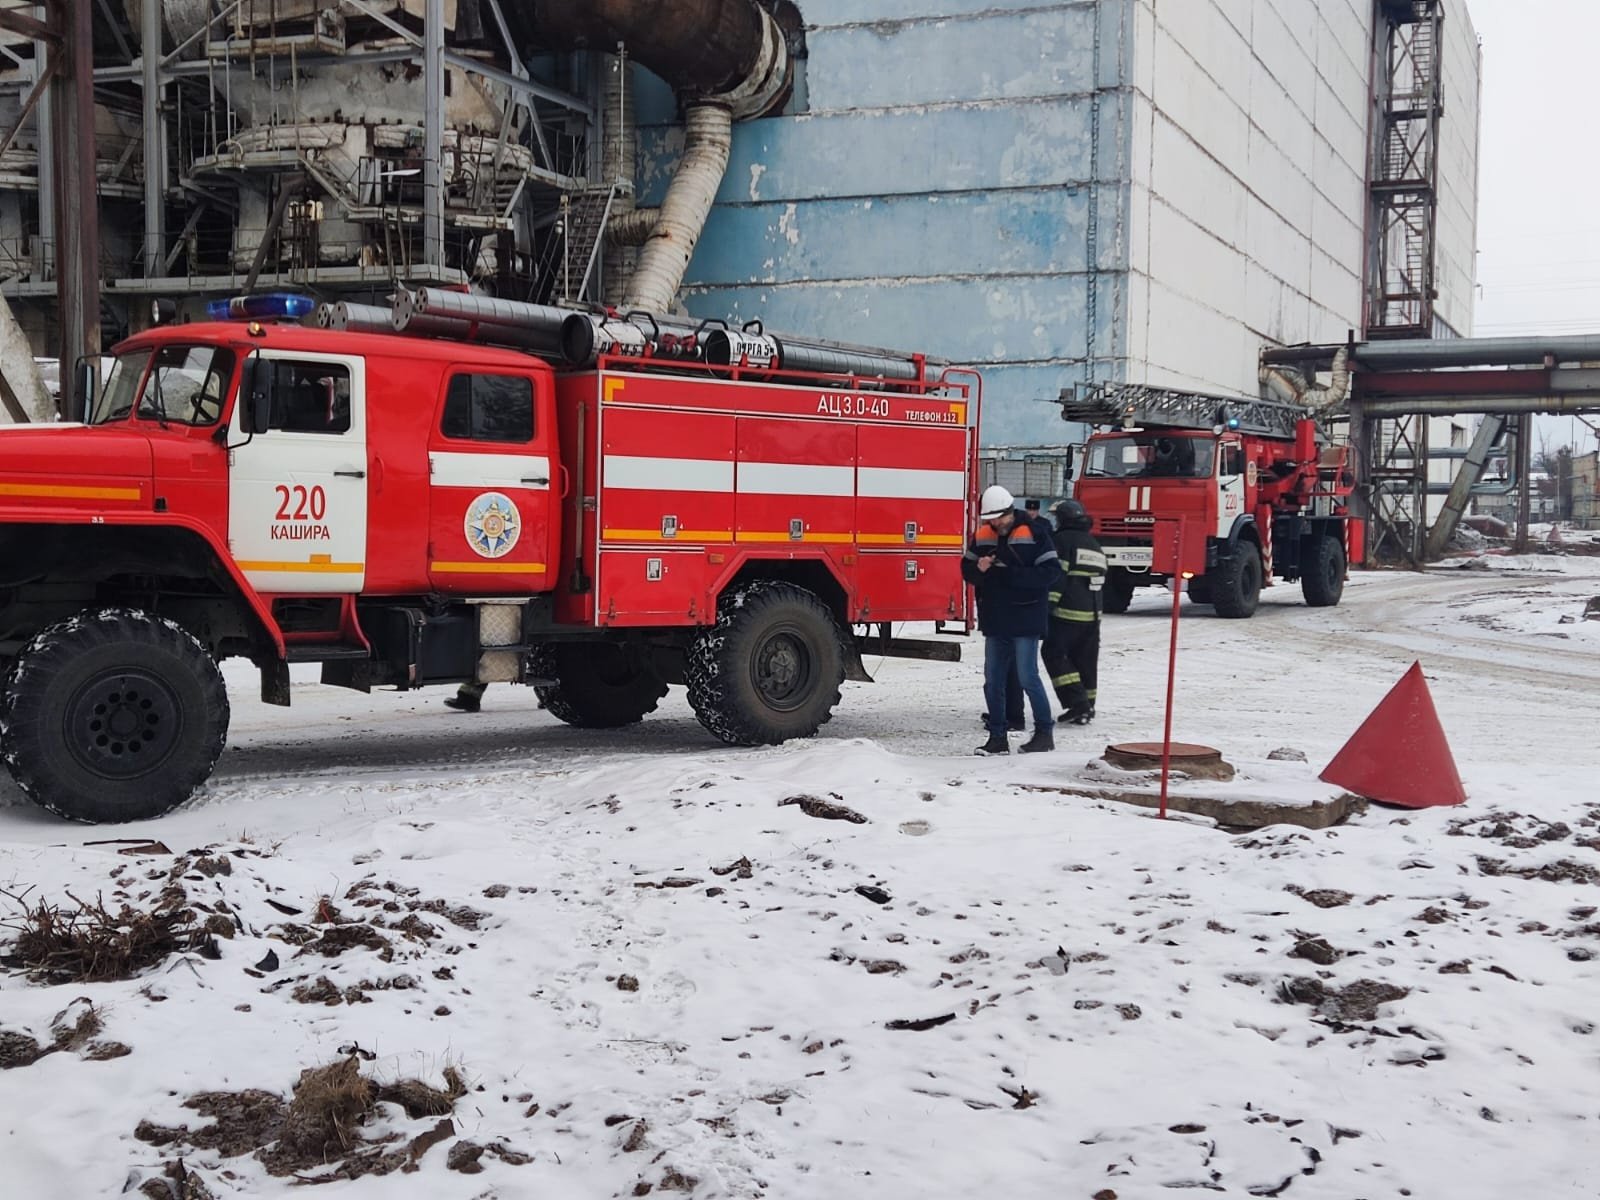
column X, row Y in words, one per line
column 730, row 49
column 730, row 60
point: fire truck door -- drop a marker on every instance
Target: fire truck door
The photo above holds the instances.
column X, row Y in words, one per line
column 297, row 494
column 492, row 513
column 1230, row 485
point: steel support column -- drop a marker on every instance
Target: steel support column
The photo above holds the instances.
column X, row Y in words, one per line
column 45, row 253
column 155, row 142
column 1455, row 504
column 76, row 199
column 433, row 134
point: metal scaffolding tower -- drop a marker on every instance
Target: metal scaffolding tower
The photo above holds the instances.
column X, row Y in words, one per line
column 1391, row 453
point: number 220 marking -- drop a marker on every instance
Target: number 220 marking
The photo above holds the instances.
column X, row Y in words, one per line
column 300, row 503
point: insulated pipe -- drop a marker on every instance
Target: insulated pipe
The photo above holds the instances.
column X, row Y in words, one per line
column 633, row 227
column 1477, row 352
column 1448, row 406
column 665, row 256
column 1416, row 354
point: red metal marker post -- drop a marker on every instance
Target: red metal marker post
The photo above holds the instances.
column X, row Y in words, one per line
column 1178, row 577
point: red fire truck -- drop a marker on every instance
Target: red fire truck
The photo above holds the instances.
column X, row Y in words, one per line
column 1257, row 489
column 409, row 511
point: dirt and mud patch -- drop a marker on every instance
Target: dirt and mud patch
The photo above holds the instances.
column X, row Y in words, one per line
column 320, row 1133
column 824, row 810
column 1354, row 1004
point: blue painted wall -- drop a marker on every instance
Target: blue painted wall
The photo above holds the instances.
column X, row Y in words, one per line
column 935, row 195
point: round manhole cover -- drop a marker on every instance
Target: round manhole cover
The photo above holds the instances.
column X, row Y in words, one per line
column 1188, row 757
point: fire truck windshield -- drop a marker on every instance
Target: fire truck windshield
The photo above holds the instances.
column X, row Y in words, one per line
column 184, row 385
column 1149, row 456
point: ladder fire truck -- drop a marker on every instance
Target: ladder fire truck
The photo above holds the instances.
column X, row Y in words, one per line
column 1255, row 486
column 730, row 511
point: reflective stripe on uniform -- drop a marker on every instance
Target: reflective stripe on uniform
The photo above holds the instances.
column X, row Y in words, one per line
column 1089, row 558
column 1091, row 693
column 1064, row 680
column 1048, row 556
column 1074, row 614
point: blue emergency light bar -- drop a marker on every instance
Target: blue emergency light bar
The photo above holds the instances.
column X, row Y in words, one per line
column 269, row 306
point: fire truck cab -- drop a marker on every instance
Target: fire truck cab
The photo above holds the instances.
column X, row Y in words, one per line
column 1259, row 494
column 409, row 511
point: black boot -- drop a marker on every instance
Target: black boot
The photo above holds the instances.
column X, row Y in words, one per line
column 1081, row 715
column 1043, row 739
column 996, row 744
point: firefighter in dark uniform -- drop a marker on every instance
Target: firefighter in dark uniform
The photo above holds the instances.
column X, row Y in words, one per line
column 1072, row 650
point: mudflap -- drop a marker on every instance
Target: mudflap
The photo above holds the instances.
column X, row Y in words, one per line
column 854, row 669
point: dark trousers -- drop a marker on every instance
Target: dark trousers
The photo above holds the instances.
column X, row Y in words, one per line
column 1072, row 660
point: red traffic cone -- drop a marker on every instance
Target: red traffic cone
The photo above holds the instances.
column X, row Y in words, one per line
column 1399, row 755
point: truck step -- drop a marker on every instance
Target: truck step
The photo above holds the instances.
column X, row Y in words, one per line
column 326, row 652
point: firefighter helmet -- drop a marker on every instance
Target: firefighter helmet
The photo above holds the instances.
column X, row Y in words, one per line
column 1070, row 514
column 996, row 502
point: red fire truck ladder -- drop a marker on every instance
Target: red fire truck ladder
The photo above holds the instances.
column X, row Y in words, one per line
column 1139, row 404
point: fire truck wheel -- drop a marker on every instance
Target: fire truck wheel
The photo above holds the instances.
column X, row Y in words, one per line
column 1200, row 589
column 769, row 669
column 115, row 715
column 598, row 685
column 1237, row 588
column 1118, row 592
column 1322, row 575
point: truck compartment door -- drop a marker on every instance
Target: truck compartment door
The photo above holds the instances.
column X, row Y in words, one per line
column 911, row 505
column 796, row 483
column 492, row 486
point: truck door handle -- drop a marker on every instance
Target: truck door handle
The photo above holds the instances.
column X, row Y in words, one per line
column 351, row 474
column 540, row 482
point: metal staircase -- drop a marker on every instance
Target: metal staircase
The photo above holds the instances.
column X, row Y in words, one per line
column 1409, row 102
column 584, row 216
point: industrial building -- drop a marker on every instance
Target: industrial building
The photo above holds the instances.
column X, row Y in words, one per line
column 1062, row 193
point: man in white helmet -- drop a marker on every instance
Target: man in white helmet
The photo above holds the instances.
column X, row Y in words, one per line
column 1012, row 562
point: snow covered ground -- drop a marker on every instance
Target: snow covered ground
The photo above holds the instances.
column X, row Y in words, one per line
column 1099, row 1003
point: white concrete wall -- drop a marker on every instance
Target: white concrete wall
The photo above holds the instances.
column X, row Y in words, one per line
column 1248, row 195
column 1456, row 264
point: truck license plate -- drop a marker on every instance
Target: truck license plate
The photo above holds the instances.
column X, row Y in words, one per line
column 1130, row 556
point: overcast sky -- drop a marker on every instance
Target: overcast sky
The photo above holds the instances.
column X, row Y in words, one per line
column 1539, row 195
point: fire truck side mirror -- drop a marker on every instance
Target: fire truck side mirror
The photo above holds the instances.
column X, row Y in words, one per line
column 256, row 392
column 85, row 386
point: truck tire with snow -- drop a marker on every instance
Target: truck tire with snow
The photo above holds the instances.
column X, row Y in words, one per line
column 1236, row 589
column 115, row 715
column 598, row 684
column 1322, row 572
column 1118, row 592
column 769, row 669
